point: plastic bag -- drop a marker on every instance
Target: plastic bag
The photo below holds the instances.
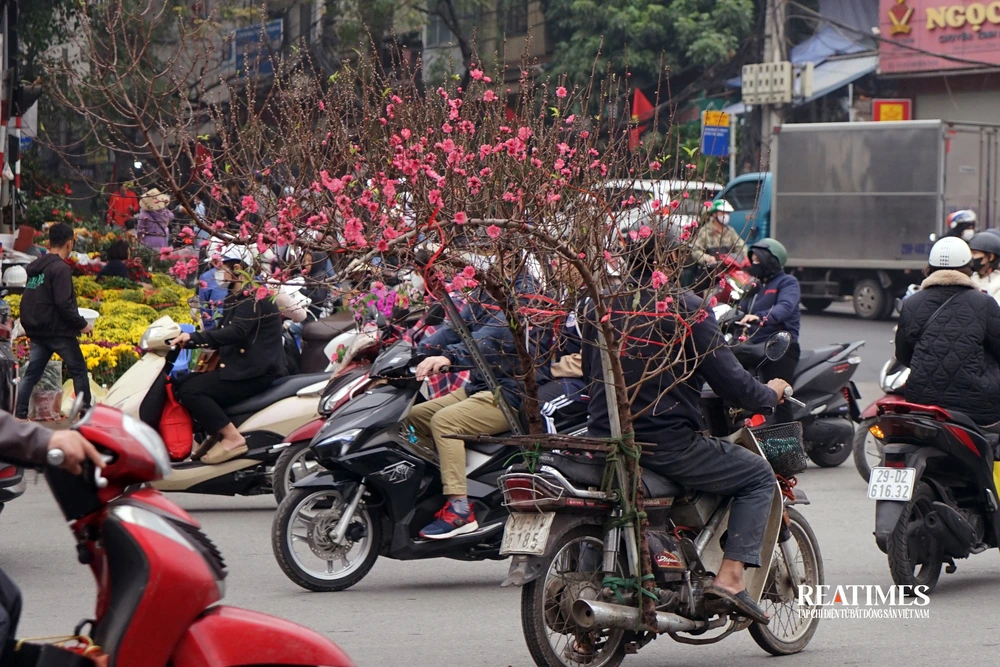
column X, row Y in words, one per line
column 176, row 427
column 47, row 397
column 97, row 394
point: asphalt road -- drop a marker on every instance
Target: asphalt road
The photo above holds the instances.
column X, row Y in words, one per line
column 442, row 612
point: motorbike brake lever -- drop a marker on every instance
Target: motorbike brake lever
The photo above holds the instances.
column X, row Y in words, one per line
column 794, row 401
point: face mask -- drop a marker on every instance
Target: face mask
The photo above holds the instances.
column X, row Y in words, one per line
column 723, row 218
column 758, row 270
column 968, row 234
column 978, row 263
column 220, row 277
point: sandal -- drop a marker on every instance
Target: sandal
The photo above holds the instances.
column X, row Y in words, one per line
column 742, row 603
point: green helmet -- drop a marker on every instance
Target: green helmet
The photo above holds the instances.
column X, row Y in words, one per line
column 774, row 247
column 721, row 205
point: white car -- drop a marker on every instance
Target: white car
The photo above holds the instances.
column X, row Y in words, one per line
column 690, row 208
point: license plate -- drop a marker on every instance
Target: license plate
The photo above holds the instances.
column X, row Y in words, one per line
column 526, row 533
column 891, row 484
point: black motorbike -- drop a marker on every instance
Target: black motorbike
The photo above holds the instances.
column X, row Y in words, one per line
column 822, row 381
column 379, row 486
column 935, row 493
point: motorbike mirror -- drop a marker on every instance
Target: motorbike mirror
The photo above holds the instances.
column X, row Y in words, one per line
column 777, row 345
column 435, row 315
column 933, row 237
column 381, row 321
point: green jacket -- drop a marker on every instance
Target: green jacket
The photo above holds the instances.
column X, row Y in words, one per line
column 708, row 238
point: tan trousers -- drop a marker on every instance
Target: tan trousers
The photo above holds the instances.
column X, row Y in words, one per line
column 456, row 413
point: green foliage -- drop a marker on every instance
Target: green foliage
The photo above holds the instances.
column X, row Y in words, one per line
column 633, row 35
column 43, row 24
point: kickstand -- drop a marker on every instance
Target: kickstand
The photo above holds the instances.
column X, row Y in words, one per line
column 952, row 568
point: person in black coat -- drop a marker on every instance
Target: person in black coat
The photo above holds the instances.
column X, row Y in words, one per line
column 248, row 340
column 949, row 336
column 116, row 267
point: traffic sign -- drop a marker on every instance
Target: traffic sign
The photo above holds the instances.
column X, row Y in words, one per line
column 715, row 133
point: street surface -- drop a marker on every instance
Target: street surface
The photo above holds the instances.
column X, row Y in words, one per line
column 444, row 612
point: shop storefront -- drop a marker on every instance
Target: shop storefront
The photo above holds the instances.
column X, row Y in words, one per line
column 944, row 55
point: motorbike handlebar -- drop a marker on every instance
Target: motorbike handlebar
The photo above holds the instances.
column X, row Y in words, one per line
column 794, row 401
column 57, row 457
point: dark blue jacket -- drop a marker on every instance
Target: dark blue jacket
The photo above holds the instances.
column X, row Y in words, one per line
column 676, row 413
column 776, row 303
column 211, row 297
column 492, row 334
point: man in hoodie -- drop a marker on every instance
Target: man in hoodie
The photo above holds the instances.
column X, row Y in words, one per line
column 51, row 319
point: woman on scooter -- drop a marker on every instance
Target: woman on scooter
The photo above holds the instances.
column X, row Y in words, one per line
column 773, row 306
column 985, row 248
column 247, row 337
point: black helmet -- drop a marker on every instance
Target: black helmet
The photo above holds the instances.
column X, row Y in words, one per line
column 986, row 242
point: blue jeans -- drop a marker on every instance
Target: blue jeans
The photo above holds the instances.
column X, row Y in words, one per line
column 42, row 349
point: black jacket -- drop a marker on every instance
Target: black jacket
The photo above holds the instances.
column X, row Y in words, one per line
column 954, row 362
column 48, row 306
column 115, row 268
column 676, row 415
column 249, row 338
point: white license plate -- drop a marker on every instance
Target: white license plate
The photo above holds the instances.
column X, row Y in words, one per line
column 526, row 533
column 891, row 484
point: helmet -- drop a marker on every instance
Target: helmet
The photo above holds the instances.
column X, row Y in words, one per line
column 995, row 232
column 236, row 254
column 985, row 242
column 950, row 253
column 721, row 206
column 774, row 247
column 15, row 276
column 964, row 218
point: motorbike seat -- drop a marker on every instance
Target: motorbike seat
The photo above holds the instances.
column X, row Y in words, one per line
column 588, row 471
column 327, row 328
column 812, row 358
column 281, row 388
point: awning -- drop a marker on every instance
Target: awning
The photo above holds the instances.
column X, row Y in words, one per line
column 838, row 72
column 828, row 77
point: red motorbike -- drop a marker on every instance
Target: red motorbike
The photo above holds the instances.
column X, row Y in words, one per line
column 734, row 277
column 158, row 576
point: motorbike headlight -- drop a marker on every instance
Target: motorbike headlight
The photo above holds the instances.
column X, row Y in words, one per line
column 146, row 335
column 343, row 438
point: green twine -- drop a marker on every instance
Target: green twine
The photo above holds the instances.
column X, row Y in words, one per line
column 529, row 456
column 616, row 583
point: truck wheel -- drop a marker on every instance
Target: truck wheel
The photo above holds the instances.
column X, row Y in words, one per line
column 816, row 305
column 870, row 299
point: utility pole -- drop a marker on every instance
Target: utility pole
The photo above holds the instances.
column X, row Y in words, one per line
column 774, row 52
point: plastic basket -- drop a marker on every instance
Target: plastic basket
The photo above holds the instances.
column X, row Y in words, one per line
column 782, row 446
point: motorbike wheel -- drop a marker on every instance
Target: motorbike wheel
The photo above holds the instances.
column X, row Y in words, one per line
column 904, row 571
column 293, row 464
column 789, row 632
column 301, row 543
column 829, row 456
column 549, row 630
column 816, row 305
column 867, row 449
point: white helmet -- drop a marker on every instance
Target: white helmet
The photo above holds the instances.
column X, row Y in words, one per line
column 236, row 253
column 950, row 253
column 15, row 276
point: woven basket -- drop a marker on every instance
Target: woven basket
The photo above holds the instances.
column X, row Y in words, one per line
column 782, row 446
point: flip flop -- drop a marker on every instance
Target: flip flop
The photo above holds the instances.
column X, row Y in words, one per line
column 742, row 603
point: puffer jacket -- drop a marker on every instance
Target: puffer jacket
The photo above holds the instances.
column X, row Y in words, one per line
column 990, row 284
column 953, row 359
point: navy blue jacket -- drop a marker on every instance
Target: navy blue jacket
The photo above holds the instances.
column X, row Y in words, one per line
column 676, row 415
column 777, row 300
column 493, row 336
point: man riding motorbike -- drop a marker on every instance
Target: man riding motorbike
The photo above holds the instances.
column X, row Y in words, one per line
column 772, row 307
column 249, row 344
column 962, row 224
column 668, row 411
column 27, row 444
column 949, row 336
column 985, row 248
column 471, row 409
column 715, row 236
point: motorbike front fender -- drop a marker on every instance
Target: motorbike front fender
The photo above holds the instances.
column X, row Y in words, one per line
column 231, row 637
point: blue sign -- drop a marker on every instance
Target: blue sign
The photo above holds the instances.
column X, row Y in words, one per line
column 254, row 48
column 715, row 134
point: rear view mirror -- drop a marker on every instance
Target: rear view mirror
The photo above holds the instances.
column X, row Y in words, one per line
column 777, row 345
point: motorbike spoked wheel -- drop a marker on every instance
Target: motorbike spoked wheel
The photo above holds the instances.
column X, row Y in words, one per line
column 906, row 572
column 300, row 538
column 295, row 463
column 867, row 449
column 572, row 573
column 790, row 630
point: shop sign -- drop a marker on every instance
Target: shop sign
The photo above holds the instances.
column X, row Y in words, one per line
column 923, row 35
column 892, row 109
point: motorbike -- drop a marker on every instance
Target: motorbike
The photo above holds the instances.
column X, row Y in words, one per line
column 935, row 491
column 264, row 420
column 377, row 486
column 159, row 578
column 867, row 447
column 822, row 380
column 574, row 558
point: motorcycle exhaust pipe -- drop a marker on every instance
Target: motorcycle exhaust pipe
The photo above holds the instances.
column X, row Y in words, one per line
column 589, row 614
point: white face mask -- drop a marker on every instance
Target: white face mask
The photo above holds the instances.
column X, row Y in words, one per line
column 723, row 218
column 220, row 277
column 968, row 234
